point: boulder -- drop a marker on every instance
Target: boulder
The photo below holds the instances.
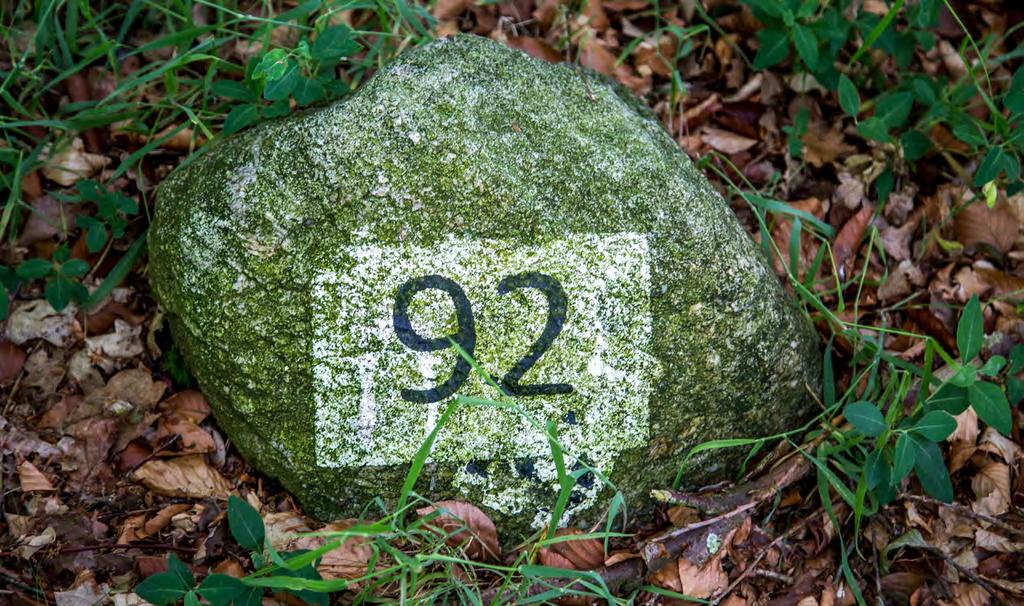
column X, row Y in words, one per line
column 480, row 243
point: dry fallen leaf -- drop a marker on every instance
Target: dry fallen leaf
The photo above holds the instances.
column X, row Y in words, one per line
column 725, row 141
column 667, row 577
column 848, row 239
column 230, row 567
column 29, row 545
column 282, row 528
column 979, row 224
column 594, row 13
column 124, row 342
column 450, row 9
column 467, row 526
column 968, row 594
column 575, row 554
column 991, row 541
column 850, row 192
column 993, row 478
column 655, row 55
column 598, row 58
column 83, row 592
column 71, row 163
column 48, row 218
column 822, row 145
column 351, row 559
column 187, row 476
column 38, row 320
column 163, row 517
column 12, row 360
column 31, row 479
column 190, row 404
column 194, row 439
column 996, row 443
column 136, row 386
column 702, row 581
column 537, row 48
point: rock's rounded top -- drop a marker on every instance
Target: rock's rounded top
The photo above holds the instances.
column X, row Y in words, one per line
column 281, row 252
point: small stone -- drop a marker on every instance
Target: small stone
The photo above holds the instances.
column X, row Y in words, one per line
column 314, row 268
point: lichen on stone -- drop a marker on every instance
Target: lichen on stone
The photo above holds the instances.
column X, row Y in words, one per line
column 278, row 252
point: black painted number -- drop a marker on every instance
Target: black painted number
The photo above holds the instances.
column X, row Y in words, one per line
column 557, row 308
column 466, row 334
column 465, row 337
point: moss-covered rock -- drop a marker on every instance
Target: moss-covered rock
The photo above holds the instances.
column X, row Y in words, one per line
column 313, row 266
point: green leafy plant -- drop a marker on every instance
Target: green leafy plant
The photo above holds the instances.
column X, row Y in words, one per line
column 61, row 275
column 248, row 530
column 905, row 443
column 111, row 217
column 306, row 74
column 905, row 108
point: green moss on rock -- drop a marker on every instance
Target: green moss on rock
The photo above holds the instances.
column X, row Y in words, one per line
column 278, row 254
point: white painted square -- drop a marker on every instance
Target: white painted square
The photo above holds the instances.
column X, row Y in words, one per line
column 603, row 350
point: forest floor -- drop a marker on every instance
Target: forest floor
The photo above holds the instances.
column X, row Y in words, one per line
column 872, row 148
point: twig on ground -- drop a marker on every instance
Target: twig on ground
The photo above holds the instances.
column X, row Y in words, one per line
column 109, row 546
column 669, row 546
column 775, row 576
column 761, row 555
column 966, row 512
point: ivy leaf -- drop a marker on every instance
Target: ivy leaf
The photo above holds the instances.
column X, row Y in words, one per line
column 931, row 469
column 849, row 99
column 95, row 233
column 91, row 191
column 1014, row 386
column 1014, row 100
column 180, row 571
column 773, row 48
column 915, row 144
column 769, row 8
column 167, row 587
column 965, row 376
column 277, row 109
column 252, row 596
column 893, row 109
column 239, row 117
column 221, row 589
column 232, row 89
column 874, row 128
column 935, row 426
column 58, row 292
column 989, row 401
column 993, row 366
column 903, row 458
column 246, row 524
column 968, row 131
column 970, row 331
column 74, row 268
column 334, row 86
column 866, row 417
column 273, row 65
column 950, row 398
column 9, row 280
column 280, row 88
column 334, row 43
column 1016, row 359
column 309, row 91
column 33, row 269
column 876, row 471
column 995, row 162
column 806, row 45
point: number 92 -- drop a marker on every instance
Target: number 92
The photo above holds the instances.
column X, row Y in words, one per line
column 465, row 335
